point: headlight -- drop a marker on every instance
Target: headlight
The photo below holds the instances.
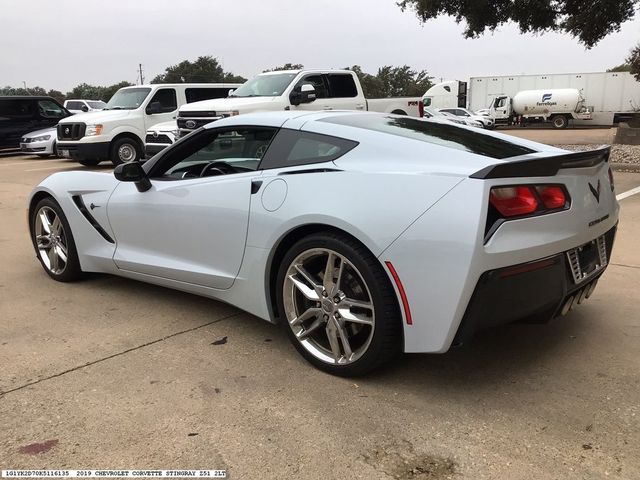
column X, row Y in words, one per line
column 93, row 130
column 41, row 138
column 234, row 113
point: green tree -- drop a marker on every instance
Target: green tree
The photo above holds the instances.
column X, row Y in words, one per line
column 8, row 90
column 633, row 60
column 587, row 20
column 403, row 81
column 205, row 69
column 286, row 66
column 58, row 95
column 94, row 92
column 623, row 67
column 371, row 86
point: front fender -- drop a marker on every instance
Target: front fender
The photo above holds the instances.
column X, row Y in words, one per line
column 95, row 253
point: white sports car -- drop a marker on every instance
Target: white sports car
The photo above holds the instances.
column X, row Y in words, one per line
column 363, row 234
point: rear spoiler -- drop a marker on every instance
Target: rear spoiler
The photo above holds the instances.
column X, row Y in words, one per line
column 544, row 166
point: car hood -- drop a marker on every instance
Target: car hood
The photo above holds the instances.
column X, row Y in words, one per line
column 100, row 116
column 164, row 127
column 227, row 104
column 37, row 133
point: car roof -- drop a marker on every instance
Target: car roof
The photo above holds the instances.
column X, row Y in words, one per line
column 26, row 97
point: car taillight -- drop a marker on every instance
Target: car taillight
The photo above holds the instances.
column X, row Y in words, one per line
column 421, row 109
column 513, row 201
column 613, row 187
column 552, row 196
column 522, row 200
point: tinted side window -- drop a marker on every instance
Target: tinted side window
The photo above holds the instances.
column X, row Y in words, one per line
column 342, row 85
column 198, row 94
column 318, row 83
column 49, row 109
column 293, row 147
column 17, row 109
column 167, row 99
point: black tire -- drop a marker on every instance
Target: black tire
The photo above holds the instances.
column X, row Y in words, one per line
column 89, row 162
column 386, row 341
column 124, row 150
column 398, row 112
column 559, row 121
column 72, row 270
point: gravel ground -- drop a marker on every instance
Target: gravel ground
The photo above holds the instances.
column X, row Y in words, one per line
column 629, row 154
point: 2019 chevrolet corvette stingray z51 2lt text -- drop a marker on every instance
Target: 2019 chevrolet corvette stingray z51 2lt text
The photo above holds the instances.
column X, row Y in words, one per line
column 364, row 234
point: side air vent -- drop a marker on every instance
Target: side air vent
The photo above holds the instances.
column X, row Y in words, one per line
column 77, row 199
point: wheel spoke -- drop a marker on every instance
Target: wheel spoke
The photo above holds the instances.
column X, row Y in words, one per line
column 317, row 323
column 308, row 314
column 61, row 252
column 315, row 286
column 332, row 335
column 56, row 225
column 46, row 224
column 349, row 316
column 351, row 303
column 53, row 260
column 327, row 280
column 344, row 339
column 304, row 289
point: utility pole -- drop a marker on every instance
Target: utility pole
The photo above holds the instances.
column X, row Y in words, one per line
column 25, row 87
column 141, row 76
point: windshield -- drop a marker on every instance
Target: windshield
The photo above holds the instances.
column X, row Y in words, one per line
column 97, row 105
column 127, row 98
column 265, row 86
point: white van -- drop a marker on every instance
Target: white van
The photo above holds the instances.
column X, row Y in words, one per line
column 117, row 132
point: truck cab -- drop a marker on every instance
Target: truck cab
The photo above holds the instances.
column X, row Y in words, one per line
column 293, row 90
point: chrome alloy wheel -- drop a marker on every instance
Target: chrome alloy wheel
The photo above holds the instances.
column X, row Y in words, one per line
column 126, row 153
column 329, row 306
column 51, row 240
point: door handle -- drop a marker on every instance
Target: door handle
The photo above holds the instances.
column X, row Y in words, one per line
column 328, row 108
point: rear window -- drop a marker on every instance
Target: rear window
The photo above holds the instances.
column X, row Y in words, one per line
column 442, row 134
column 342, row 85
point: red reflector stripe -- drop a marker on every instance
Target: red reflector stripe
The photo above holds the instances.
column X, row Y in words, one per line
column 527, row 267
column 403, row 295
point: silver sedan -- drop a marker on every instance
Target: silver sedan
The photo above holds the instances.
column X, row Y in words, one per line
column 41, row 143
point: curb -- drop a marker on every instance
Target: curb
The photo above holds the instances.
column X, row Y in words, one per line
column 625, row 167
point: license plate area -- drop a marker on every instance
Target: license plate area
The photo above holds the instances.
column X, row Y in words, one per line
column 588, row 259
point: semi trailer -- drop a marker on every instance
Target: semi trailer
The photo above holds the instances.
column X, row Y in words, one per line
column 610, row 97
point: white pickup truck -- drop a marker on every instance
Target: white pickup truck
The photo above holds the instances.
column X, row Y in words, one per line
column 294, row 90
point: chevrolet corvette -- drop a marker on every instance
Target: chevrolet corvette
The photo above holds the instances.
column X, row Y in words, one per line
column 363, row 234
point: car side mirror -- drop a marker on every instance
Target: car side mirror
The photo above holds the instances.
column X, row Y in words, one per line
column 153, row 108
column 305, row 94
column 133, row 172
column 85, row 108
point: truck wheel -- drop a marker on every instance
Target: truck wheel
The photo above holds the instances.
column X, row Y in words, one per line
column 125, row 150
column 560, row 121
column 398, row 112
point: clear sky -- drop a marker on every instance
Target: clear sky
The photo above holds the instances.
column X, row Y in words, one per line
column 61, row 43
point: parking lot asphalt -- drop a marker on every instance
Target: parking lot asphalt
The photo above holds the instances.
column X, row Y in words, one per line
column 110, row 373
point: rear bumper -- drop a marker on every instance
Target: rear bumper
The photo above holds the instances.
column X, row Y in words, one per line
column 81, row 151
column 532, row 292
